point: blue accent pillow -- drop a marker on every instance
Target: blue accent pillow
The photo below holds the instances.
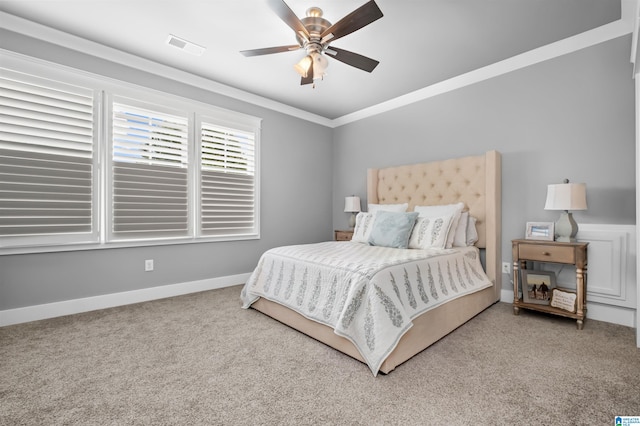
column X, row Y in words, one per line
column 392, row 229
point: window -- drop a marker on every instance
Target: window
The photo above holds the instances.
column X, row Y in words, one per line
column 112, row 165
column 227, row 180
column 149, row 174
column 47, row 132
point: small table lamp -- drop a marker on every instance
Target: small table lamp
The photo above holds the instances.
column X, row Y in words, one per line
column 566, row 196
column 352, row 205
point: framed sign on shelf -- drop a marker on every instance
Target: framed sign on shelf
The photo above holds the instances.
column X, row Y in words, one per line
column 563, row 299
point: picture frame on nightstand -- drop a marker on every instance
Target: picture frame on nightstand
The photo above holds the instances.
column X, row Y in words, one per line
column 540, row 231
column 537, row 286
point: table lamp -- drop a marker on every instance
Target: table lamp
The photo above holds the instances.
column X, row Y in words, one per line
column 566, row 196
column 352, row 205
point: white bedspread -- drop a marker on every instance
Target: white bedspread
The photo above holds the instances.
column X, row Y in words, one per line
column 367, row 294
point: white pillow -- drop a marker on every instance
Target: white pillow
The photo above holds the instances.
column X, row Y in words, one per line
column 460, row 234
column 430, row 232
column 466, row 233
column 362, row 230
column 454, row 210
column 472, row 231
column 401, row 208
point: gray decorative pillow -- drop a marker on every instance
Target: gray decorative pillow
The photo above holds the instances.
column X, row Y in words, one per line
column 392, row 229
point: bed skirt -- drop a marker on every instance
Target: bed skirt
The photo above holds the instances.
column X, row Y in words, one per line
column 427, row 329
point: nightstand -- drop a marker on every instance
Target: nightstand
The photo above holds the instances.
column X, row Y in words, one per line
column 552, row 252
column 343, row 235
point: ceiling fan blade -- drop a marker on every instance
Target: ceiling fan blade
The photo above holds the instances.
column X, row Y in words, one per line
column 286, row 14
column 353, row 59
column 309, row 78
column 270, row 50
column 362, row 16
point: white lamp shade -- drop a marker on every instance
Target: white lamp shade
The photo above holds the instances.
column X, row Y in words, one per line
column 352, row 204
column 566, row 196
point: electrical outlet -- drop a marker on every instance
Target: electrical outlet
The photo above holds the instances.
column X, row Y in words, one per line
column 148, row 265
column 506, row 268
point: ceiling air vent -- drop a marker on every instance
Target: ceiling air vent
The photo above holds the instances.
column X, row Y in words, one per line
column 185, row 45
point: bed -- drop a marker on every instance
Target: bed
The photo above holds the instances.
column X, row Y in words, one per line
column 384, row 305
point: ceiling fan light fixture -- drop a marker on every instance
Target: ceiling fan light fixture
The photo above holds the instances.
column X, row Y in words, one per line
column 320, row 64
column 304, row 66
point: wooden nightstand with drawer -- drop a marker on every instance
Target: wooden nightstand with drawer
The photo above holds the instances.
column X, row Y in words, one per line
column 340, row 235
column 551, row 252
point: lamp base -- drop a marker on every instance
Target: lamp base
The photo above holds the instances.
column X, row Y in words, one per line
column 565, row 240
column 566, row 228
column 352, row 220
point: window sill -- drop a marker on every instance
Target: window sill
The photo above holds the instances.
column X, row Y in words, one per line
column 123, row 244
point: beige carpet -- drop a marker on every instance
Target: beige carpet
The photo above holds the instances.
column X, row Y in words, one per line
column 202, row 360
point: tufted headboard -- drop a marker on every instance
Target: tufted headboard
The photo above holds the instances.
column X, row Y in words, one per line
column 475, row 181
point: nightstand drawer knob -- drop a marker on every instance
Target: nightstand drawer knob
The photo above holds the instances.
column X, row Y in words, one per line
column 545, row 253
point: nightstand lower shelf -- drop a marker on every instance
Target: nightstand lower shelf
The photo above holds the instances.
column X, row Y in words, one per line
column 519, row 304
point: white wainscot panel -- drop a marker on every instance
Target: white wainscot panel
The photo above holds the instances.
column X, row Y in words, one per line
column 611, row 272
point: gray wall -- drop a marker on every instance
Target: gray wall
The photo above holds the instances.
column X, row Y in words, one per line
column 296, row 193
column 571, row 117
column 568, row 117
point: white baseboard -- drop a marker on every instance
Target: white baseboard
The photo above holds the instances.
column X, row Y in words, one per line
column 76, row 306
column 595, row 311
column 612, row 314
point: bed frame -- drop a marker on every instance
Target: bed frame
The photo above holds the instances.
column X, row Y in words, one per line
column 476, row 181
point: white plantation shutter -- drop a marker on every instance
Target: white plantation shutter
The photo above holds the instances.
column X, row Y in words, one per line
column 88, row 162
column 46, row 159
column 150, row 175
column 227, row 181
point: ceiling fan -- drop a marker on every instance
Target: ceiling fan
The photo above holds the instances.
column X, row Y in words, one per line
column 314, row 34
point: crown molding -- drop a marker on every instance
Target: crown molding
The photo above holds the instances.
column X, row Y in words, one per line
column 581, row 41
column 626, row 25
column 32, row 29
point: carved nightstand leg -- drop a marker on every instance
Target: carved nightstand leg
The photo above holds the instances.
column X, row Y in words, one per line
column 516, row 310
column 580, row 324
